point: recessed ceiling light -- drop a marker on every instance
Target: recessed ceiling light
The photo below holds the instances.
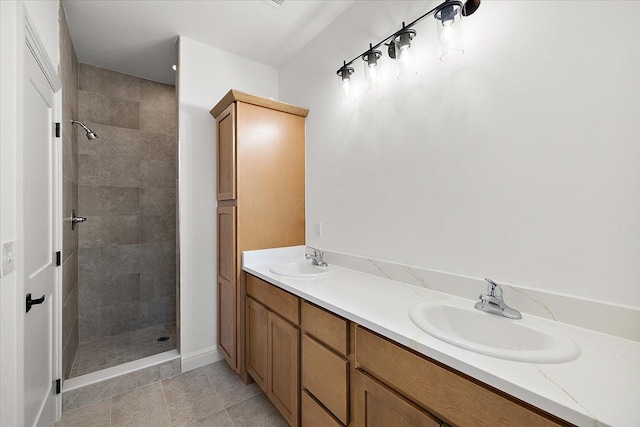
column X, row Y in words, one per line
column 174, row 67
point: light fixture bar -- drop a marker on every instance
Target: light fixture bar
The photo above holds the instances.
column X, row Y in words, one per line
column 472, row 6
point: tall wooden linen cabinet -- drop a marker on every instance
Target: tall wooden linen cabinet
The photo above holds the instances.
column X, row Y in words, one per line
column 261, row 199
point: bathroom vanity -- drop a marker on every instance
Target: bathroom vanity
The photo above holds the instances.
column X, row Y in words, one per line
column 344, row 374
column 341, row 350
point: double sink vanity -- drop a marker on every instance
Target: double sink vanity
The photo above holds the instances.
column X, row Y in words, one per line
column 332, row 346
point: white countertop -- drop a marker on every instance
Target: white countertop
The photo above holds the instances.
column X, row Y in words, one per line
column 599, row 388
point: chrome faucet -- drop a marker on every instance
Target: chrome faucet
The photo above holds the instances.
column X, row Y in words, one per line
column 316, row 258
column 492, row 302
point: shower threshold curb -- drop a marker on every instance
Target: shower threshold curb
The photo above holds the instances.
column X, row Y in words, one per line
column 97, row 386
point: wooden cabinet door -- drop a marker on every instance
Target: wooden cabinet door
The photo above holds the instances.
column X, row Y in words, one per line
column 226, row 153
column 283, row 377
column 378, row 406
column 256, row 334
column 227, row 284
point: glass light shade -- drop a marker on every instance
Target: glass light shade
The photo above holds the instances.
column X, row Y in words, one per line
column 449, row 22
column 372, row 71
column 344, row 79
column 405, row 56
column 346, row 91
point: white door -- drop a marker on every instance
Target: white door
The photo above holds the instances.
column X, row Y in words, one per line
column 39, row 250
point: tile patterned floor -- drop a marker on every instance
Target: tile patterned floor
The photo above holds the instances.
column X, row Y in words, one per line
column 118, row 349
column 211, row 396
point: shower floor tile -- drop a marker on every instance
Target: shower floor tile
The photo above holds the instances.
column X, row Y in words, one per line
column 126, row 347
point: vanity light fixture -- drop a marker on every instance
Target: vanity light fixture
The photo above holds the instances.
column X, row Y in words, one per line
column 403, row 54
column 448, row 17
column 346, row 92
column 449, row 21
column 372, row 68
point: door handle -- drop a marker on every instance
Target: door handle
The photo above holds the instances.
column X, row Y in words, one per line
column 31, row 302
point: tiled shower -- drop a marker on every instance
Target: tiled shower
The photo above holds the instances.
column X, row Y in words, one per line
column 127, row 246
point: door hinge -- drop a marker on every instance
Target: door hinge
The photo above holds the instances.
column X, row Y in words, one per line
column 58, row 259
column 57, row 129
column 58, row 386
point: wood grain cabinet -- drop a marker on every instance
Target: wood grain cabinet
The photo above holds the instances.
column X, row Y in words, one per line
column 439, row 390
column 378, row 406
column 325, row 366
column 260, row 178
column 273, row 345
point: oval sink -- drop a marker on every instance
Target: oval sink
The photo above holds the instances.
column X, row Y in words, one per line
column 300, row 269
column 525, row 340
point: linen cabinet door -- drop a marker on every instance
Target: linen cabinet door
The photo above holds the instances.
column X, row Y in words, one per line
column 284, row 372
column 256, row 338
column 226, row 153
column 378, row 406
column 227, row 284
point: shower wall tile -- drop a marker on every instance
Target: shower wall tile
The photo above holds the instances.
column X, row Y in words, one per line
column 69, row 314
column 102, row 261
column 89, row 321
column 120, row 200
column 109, row 83
column 154, row 284
column 157, row 108
column 127, row 178
column 91, row 234
column 158, row 201
column 69, row 350
column 69, row 275
column 159, row 94
column 112, row 141
column 154, row 119
column 69, row 202
column 100, row 200
column 108, row 171
column 67, row 205
column 157, row 173
column 90, row 200
column 158, row 228
column 158, row 146
column 69, row 145
column 160, row 257
column 107, row 110
column 121, row 318
column 158, row 310
column 122, row 230
column 101, row 231
column 109, row 291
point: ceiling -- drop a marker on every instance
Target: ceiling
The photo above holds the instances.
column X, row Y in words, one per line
column 138, row 37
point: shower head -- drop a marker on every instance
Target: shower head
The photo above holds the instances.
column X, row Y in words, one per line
column 91, row 135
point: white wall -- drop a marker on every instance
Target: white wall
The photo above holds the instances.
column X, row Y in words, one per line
column 519, row 161
column 205, row 75
column 44, row 16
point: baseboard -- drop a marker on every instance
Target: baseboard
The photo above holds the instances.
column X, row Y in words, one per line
column 196, row 359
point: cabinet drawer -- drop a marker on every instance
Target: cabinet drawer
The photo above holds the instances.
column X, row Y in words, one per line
column 377, row 406
column 314, row 415
column 326, row 327
column 326, row 376
column 277, row 300
column 435, row 387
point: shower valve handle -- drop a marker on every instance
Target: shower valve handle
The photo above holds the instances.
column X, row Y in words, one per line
column 76, row 219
